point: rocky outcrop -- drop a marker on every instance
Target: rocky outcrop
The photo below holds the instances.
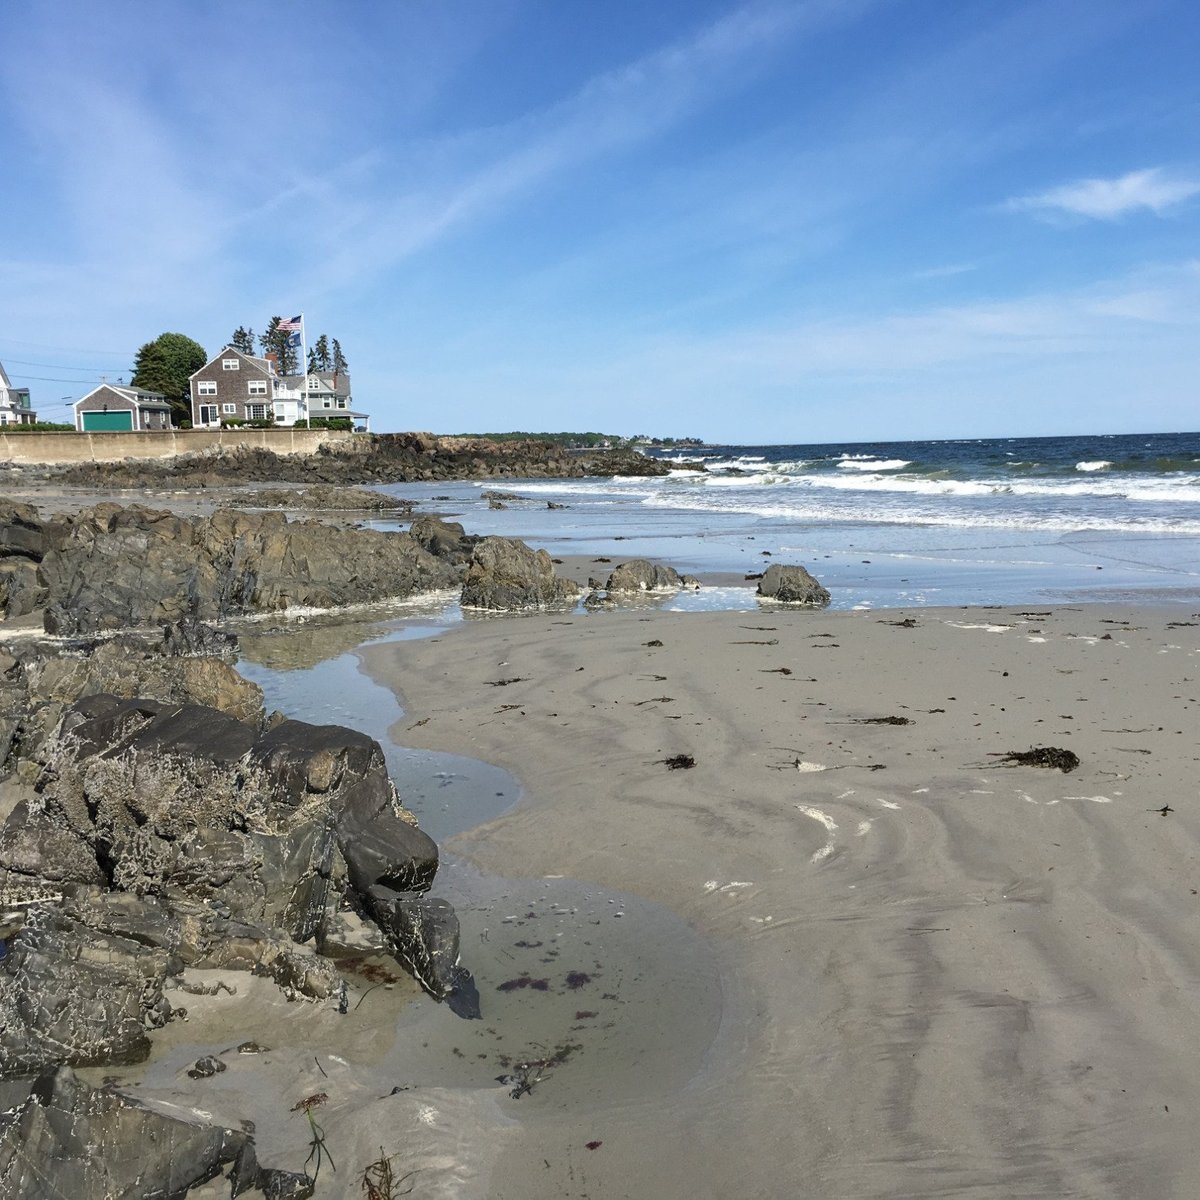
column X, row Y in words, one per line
column 323, row 497
column 162, row 835
column 792, row 585
column 505, row 575
column 383, row 458
column 121, row 567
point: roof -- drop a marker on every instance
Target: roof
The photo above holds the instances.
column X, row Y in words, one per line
column 136, row 396
column 340, row 388
column 263, row 364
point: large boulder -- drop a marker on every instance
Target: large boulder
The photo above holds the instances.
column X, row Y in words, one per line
column 792, row 585
column 120, row 567
column 505, row 575
column 443, row 539
column 641, row 575
column 423, row 933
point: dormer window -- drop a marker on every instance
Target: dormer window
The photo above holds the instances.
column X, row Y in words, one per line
column 230, row 364
column 314, row 382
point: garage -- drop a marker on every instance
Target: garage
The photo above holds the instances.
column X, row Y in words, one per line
column 105, row 422
column 115, row 408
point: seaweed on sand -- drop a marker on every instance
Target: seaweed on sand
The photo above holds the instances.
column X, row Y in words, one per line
column 1051, row 757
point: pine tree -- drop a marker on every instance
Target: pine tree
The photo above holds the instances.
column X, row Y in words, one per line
column 321, row 352
column 340, row 365
column 243, row 340
column 312, row 360
column 279, row 342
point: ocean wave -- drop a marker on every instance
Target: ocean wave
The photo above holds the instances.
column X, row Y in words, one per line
column 810, row 508
column 863, row 462
column 1099, row 485
column 1101, row 464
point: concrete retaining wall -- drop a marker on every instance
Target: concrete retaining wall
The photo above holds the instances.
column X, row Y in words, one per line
column 50, row 449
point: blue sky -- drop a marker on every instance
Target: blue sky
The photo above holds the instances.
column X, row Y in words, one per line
column 758, row 221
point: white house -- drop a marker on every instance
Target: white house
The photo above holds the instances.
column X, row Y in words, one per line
column 14, row 403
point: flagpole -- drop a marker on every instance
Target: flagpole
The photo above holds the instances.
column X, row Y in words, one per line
column 304, row 369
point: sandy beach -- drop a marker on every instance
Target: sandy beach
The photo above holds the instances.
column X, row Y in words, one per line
column 935, row 973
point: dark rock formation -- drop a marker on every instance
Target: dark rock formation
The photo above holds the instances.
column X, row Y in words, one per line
column 323, row 497
column 162, row 835
column 423, row 933
column 120, row 567
column 65, row 1139
column 38, row 683
column 505, row 575
column 25, row 539
column 383, row 458
column 792, row 585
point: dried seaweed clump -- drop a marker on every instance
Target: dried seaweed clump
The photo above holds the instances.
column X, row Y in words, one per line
column 1052, row 757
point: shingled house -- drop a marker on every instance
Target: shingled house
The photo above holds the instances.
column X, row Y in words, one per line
column 240, row 387
column 233, row 385
column 112, row 408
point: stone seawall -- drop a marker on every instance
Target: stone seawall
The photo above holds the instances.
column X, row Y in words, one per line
column 54, row 449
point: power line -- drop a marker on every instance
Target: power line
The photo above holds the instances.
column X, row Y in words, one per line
column 66, row 349
column 54, row 366
column 56, row 379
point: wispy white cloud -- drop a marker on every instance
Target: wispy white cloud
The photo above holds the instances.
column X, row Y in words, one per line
column 477, row 175
column 1152, row 190
column 946, row 272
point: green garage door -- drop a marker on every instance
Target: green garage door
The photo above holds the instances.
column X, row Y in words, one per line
column 99, row 422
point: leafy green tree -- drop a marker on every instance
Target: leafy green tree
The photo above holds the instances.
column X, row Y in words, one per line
column 164, row 365
column 243, row 340
column 279, row 342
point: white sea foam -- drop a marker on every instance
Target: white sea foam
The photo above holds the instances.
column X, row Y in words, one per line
column 1100, row 464
column 859, row 462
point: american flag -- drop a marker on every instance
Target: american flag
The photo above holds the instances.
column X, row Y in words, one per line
column 290, row 326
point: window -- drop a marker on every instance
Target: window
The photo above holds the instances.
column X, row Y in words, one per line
column 280, row 417
column 326, row 404
column 230, row 364
column 208, row 414
column 230, row 410
column 257, row 387
column 256, row 412
column 341, row 402
column 207, row 387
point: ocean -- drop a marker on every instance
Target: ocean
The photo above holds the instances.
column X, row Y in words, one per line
column 887, row 524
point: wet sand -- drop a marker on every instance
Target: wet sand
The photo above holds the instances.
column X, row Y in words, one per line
column 937, row 974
